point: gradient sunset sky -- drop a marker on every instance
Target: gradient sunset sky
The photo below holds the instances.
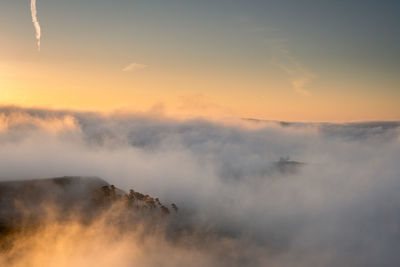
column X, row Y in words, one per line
column 293, row 60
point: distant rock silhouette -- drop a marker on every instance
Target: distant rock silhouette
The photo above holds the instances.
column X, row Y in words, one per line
column 27, row 201
column 286, row 165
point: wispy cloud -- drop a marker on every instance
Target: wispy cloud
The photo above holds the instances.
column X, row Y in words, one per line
column 35, row 22
column 299, row 76
column 134, row 67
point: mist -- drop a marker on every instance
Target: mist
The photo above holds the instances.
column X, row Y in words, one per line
column 250, row 193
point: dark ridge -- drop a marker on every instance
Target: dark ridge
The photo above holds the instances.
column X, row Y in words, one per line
column 286, row 165
column 61, row 181
column 356, row 124
column 26, row 202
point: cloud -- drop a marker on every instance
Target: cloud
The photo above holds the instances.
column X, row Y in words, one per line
column 35, row 22
column 132, row 67
column 238, row 204
column 299, row 76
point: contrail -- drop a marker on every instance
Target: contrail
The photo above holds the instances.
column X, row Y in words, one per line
column 35, row 22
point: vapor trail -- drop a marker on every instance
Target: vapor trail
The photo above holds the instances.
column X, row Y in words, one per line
column 35, row 22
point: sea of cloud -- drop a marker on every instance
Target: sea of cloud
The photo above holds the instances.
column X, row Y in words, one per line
column 250, row 193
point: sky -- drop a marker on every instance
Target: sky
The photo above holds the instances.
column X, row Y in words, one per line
column 275, row 60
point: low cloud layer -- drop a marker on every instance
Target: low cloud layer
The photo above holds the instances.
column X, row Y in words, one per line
column 266, row 194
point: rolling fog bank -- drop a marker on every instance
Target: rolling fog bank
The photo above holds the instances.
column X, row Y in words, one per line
column 250, row 193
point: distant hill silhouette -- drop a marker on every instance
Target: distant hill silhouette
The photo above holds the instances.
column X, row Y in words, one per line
column 25, row 203
column 286, row 165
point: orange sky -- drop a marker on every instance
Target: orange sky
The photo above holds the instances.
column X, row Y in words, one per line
column 199, row 62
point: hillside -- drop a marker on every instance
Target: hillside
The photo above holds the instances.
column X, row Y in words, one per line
column 28, row 202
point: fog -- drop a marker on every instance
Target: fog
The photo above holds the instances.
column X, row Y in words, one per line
column 250, row 193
